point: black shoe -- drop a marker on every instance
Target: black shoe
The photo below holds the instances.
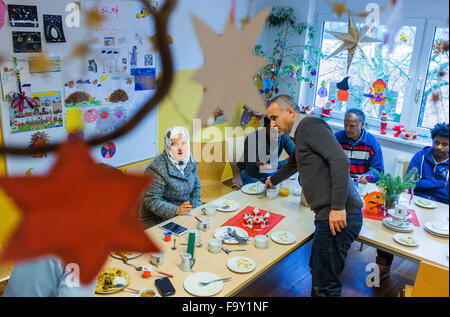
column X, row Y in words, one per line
column 384, row 268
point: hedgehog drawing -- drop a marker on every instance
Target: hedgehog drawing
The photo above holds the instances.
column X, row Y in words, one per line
column 118, row 95
column 78, row 96
column 38, row 139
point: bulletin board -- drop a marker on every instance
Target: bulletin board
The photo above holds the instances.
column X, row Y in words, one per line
column 96, row 92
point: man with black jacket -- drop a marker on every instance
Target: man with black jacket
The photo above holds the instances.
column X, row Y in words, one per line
column 324, row 170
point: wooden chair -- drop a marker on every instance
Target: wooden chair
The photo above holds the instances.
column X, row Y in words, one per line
column 210, row 169
column 405, row 168
column 137, row 169
column 431, row 281
column 235, row 151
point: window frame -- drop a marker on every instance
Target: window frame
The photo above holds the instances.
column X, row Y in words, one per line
column 422, row 70
column 411, row 85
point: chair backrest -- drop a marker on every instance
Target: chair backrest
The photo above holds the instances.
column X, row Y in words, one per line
column 405, row 168
column 137, row 169
column 235, row 151
column 431, row 281
column 211, row 159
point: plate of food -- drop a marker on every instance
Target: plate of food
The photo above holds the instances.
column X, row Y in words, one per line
column 226, row 205
column 254, row 188
column 283, row 237
column 221, row 233
column 128, row 255
column 406, row 239
column 192, row 284
column 425, row 203
column 106, row 277
column 241, row 264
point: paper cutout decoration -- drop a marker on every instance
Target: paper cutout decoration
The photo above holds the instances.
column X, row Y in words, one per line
column 28, row 171
column 375, row 94
column 384, row 119
column 403, row 38
column 10, row 84
column 80, row 212
column 74, row 121
column 10, row 215
column 38, row 139
column 343, row 94
column 23, row 16
column 352, row 40
column 27, row 42
column 228, row 67
column 53, row 29
column 90, row 115
column 108, row 150
column 3, row 10
column 322, row 92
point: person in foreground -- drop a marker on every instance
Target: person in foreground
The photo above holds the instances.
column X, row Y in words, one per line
column 273, row 144
column 328, row 189
column 176, row 187
column 432, row 165
column 45, row 277
column 362, row 148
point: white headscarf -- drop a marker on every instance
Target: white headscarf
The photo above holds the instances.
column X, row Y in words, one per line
column 171, row 133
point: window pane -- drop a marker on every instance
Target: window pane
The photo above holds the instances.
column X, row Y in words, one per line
column 392, row 70
column 435, row 111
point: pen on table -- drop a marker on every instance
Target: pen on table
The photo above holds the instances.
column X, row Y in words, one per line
column 198, row 219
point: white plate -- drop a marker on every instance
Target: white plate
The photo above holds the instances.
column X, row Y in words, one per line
column 275, row 236
column 437, row 227
column 221, row 232
column 405, row 227
column 219, row 205
column 425, row 203
column 397, row 237
column 232, row 264
column 254, row 188
column 436, row 234
column 191, row 284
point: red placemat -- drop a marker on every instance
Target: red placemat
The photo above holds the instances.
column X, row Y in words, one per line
column 238, row 221
column 380, row 216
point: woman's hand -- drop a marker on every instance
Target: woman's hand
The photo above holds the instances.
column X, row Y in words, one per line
column 184, row 208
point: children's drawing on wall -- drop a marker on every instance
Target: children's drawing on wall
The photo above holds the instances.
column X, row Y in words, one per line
column 10, row 83
column 108, row 150
column 109, row 53
column 74, row 124
column 92, row 66
column 23, row 16
column 38, row 139
column 105, row 120
column 81, row 93
column 27, row 42
column 46, row 113
column 144, row 78
column 90, row 115
column 134, row 55
column 53, row 29
column 148, row 60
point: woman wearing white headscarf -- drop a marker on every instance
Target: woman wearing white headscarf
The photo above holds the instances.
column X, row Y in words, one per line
column 176, row 187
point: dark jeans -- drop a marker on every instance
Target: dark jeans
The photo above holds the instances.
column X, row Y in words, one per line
column 329, row 252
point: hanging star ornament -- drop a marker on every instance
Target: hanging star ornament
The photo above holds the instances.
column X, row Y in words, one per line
column 352, row 39
column 228, row 67
column 80, row 212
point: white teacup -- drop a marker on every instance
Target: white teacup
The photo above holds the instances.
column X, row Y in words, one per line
column 214, row 245
column 198, row 235
column 208, row 210
column 272, row 193
column 204, row 225
column 261, row 241
column 401, row 211
column 157, row 258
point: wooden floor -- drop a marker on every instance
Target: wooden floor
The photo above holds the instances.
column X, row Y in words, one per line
column 291, row 277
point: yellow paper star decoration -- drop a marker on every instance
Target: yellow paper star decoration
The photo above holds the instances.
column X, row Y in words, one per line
column 228, row 67
column 352, row 39
column 10, row 216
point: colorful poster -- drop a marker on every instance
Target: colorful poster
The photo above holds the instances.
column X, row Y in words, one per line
column 144, row 78
column 47, row 113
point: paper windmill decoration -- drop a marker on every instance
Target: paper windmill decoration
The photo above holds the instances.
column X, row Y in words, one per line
column 229, row 64
column 80, row 212
column 352, row 40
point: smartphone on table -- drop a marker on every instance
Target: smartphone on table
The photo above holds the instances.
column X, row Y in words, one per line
column 164, row 286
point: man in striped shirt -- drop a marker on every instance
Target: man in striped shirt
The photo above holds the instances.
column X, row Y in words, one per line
column 364, row 151
column 362, row 148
